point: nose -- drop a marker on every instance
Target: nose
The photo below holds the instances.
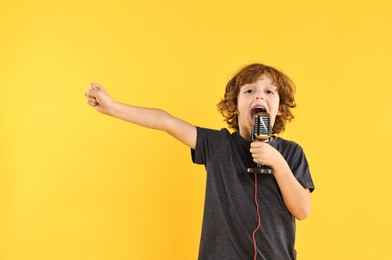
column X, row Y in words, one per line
column 259, row 94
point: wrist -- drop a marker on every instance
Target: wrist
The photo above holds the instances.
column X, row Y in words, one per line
column 279, row 164
column 112, row 109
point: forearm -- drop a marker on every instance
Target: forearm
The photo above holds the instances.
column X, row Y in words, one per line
column 295, row 196
column 155, row 119
column 147, row 117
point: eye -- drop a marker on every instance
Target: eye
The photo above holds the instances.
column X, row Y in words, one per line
column 248, row 91
column 270, row 91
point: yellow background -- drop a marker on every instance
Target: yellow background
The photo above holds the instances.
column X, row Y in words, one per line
column 75, row 184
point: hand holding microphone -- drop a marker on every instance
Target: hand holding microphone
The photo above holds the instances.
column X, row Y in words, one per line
column 261, row 130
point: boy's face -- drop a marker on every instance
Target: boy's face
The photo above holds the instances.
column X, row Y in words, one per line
column 259, row 94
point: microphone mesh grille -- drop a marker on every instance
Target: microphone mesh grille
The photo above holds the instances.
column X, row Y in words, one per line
column 261, row 129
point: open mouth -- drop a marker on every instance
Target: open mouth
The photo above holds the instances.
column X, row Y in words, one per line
column 256, row 110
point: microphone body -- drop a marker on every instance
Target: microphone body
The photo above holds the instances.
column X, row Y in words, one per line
column 261, row 130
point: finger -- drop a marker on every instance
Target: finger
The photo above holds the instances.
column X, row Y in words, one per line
column 258, row 162
column 95, row 86
column 92, row 99
column 92, row 103
column 255, row 144
column 91, row 93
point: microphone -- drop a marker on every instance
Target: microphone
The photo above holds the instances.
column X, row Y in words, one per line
column 261, row 130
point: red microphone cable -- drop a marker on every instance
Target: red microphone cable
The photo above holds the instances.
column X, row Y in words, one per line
column 258, row 220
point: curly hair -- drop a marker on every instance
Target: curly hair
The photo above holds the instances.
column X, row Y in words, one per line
column 250, row 74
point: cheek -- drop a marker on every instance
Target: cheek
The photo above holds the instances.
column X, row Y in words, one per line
column 239, row 108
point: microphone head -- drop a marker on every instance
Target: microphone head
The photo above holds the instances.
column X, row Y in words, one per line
column 261, row 129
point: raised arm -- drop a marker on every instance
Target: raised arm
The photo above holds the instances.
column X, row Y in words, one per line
column 153, row 118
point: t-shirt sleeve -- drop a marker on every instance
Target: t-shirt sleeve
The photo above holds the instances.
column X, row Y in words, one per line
column 207, row 142
column 300, row 169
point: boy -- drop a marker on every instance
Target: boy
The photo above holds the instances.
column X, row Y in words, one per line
column 245, row 215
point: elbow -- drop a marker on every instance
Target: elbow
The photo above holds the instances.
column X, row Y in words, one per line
column 302, row 210
column 302, row 216
column 302, row 213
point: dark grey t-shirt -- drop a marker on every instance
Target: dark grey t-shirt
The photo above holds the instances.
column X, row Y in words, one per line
column 230, row 212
